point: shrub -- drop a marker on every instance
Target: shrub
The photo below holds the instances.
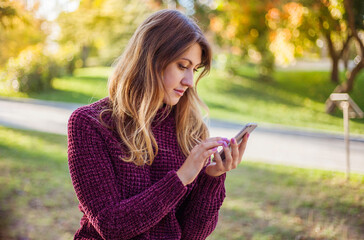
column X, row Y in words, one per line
column 67, row 58
column 31, row 71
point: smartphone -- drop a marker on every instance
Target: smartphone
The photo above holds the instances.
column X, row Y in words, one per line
column 248, row 128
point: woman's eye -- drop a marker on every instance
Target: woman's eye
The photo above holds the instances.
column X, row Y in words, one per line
column 181, row 66
column 195, row 70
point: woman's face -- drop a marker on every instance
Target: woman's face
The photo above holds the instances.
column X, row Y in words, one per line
column 178, row 75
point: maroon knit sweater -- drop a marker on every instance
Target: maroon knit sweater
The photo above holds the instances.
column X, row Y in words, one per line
column 120, row 200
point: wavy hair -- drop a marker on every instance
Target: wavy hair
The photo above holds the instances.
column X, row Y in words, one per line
column 136, row 88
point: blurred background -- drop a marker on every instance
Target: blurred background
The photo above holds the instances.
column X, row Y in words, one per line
column 275, row 62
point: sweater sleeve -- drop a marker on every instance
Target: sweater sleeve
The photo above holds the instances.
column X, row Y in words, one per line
column 199, row 214
column 94, row 182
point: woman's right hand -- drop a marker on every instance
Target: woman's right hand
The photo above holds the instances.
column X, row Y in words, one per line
column 197, row 158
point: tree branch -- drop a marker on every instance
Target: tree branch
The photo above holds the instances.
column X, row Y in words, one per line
column 351, row 22
column 346, row 44
column 330, row 45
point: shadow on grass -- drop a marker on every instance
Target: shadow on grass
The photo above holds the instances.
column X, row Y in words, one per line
column 339, row 115
column 216, row 105
column 91, row 78
column 36, row 191
column 315, row 85
column 246, row 225
column 279, row 91
column 262, row 93
column 358, row 120
column 251, row 77
column 263, row 201
column 75, row 89
column 28, row 157
column 4, row 222
column 65, row 96
column 288, row 202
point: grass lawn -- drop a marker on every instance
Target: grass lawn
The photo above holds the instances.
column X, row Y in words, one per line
column 293, row 98
column 36, row 194
column 85, row 86
column 263, row 201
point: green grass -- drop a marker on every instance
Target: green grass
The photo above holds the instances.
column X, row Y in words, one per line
column 278, row 202
column 263, row 201
column 36, row 194
column 294, row 98
column 85, row 86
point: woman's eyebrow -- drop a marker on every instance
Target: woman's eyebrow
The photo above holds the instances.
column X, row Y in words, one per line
column 190, row 61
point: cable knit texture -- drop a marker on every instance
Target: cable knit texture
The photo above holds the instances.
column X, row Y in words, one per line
column 120, row 200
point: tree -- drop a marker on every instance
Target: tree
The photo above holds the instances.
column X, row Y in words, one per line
column 326, row 19
column 19, row 29
column 80, row 27
column 354, row 10
column 264, row 31
column 102, row 27
column 241, row 25
column 8, row 11
column 355, row 16
column 291, row 35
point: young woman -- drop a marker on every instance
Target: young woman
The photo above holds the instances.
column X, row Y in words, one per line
column 140, row 159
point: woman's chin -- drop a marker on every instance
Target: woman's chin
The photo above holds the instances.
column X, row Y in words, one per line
column 171, row 101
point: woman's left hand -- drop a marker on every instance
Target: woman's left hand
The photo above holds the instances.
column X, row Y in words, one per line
column 232, row 158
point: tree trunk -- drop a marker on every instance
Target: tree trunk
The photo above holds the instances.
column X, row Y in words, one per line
column 345, row 87
column 345, row 58
column 348, row 85
column 334, row 59
column 335, row 69
column 351, row 22
column 266, row 66
column 84, row 54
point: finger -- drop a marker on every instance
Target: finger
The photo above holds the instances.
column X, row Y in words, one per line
column 216, row 139
column 213, row 139
column 228, row 158
column 208, row 153
column 220, row 152
column 204, row 157
column 218, row 162
column 211, row 144
column 208, row 161
column 235, row 153
column 242, row 146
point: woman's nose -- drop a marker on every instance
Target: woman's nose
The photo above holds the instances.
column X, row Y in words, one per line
column 188, row 79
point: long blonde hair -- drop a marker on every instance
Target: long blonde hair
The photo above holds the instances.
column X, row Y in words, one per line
column 136, row 88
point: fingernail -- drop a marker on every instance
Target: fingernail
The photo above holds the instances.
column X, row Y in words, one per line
column 225, row 139
column 225, row 144
column 214, row 149
column 221, row 142
column 248, row 135
column 233, row 140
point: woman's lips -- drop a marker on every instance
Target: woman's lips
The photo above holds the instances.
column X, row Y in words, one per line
column 179, row 92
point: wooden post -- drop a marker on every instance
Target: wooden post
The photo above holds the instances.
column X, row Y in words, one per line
column 344, row 100
column 345, row 107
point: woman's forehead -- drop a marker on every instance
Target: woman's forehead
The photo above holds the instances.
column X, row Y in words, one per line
column 193, row 55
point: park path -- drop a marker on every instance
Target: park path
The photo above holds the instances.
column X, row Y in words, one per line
column 268, row 143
